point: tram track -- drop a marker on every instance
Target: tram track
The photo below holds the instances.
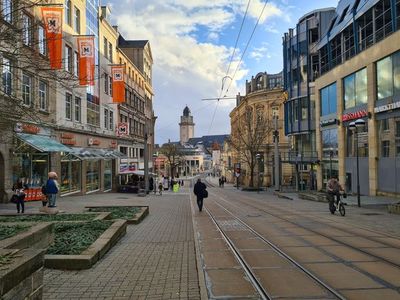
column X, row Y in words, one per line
column 263, row 292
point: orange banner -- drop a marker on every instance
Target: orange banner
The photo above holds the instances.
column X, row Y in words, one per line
column 86, row 60
column 118, row 84
column 52, row 17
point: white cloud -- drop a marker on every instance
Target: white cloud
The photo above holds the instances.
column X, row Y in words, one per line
column 186, row 70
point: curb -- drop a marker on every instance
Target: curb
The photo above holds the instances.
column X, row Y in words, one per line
column 280, row 195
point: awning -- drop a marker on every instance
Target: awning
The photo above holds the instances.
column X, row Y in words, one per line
column 94, row 153
column 42, row 143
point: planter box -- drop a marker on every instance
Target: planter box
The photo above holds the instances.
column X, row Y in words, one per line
column 22, row 278
column 39, row 236
column 140, row 215
column 90, row 256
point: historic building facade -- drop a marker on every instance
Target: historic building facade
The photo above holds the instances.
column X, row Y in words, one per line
column 360, row 63
column 264, row 99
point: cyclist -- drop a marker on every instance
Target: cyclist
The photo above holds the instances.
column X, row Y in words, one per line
column 334, row 188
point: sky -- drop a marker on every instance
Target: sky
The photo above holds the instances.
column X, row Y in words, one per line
column 193, row 47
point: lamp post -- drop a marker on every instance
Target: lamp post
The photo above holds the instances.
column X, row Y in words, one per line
column 258, row 156
column 330, row 163
column 354, row 127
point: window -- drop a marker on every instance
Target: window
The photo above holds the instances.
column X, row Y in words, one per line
column 26, row 30
column 68, row 12
column 42, row 40
column 105, row 45
column 78, row 109
column 111, row 123
column 93, row 113
column 106, row 118
column 27, row 89
column 110, row 52
column 388, row 76
column 385, row 149
column 7, row 9
column 355, row 89
column 76, row 64
column 68, row 59
column 77, row 20
column 397, row 129
column 384, row 124
column 42, row 95
column 328, row 100
column 110, row 85
column 106, row 83
column 68, row 106
column 7, row 76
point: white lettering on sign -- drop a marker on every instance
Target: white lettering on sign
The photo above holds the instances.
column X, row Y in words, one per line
column 387, row 107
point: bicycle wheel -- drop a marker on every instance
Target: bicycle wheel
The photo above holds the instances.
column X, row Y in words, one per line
column 342, row 210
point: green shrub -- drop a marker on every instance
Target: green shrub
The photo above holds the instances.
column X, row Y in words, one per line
column 48, row 218
column 118, row 212
column 73, row 238
column 7, row 231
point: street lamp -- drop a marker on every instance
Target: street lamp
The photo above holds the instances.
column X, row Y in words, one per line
column 354, row 127
column 330, row 163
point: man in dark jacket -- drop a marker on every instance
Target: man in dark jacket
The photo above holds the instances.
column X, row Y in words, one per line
column 199, row 190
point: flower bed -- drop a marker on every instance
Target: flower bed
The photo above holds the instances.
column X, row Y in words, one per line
column 48, row 218
column 118, row 212
column 73, row 238
column 7, row 231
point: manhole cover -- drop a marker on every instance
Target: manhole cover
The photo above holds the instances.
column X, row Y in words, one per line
column 371, row 214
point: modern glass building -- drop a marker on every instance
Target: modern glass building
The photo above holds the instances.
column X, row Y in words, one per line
column 301, row 66
column 360, row 79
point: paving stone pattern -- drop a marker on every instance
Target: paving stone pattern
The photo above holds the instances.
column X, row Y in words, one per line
column 155, row 260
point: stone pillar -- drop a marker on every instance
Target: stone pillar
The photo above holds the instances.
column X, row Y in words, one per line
column 341, row 133
column 373, row 140
column 318, row 139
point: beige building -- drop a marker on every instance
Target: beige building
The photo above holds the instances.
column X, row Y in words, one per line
column 263, row 101
column 361, row 82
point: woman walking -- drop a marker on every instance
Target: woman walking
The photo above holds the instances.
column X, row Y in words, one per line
column 19, row 196
column 52, row 189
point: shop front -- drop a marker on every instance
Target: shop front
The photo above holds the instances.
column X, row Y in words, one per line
column 329, row 138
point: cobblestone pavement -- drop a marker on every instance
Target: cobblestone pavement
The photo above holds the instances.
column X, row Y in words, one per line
column 155, row 260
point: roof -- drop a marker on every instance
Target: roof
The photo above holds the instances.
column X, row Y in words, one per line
column 209, row 140
column 131, row 43
column 186, row 111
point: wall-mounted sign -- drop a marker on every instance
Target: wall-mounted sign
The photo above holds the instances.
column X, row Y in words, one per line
column 27, row 128
column 354, row 115
column 329, row 122
column 93, row 142
column 68, row 139
column 122, row 129
column 387, row 107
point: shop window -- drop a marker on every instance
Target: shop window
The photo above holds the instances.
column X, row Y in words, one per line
column 78, row 109
column 68, row 106
column 92, row 175
column 31, row 168
column 42, row 40
column 385, row 149
column 26, row 29
column 7, row 10
column 107, row 175
column 355, row 89
column 328, row 100
column 70, row 175
column 43, row 102
column 27, row 89
column 329, row 142
column 362, row 142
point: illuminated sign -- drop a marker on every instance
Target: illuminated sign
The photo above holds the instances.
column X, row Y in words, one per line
column 354, row 115
column 387, row 107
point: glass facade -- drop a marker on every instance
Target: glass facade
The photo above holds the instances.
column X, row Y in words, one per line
column 388, row 76
column 30, row 168
column 355, row 89
column 107, row 175
column 351, row 138
column 329, row 142
column 92, row 175
column 328, row 98
column 70, row 175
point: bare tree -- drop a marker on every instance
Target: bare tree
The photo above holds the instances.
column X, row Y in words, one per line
column 249, row 135
column 174, row 156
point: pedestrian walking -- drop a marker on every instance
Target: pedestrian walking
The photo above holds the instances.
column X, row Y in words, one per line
column 160, row 188
column 52, row 189
column 19, row 196
column 200, row 190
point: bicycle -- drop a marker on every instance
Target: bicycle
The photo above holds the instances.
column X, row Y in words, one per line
column 333, row 206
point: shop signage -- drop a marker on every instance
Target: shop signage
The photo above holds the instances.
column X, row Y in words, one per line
column 387, row 107
column 27, row 128
column 68, row 139
column 127, row 167
column 354, row 115
column 93, row 142
column 122, row 129
column 329, row 122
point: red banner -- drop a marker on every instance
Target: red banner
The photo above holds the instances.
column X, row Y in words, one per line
column 86, row 60
column 118, row 84
column 52, row 17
